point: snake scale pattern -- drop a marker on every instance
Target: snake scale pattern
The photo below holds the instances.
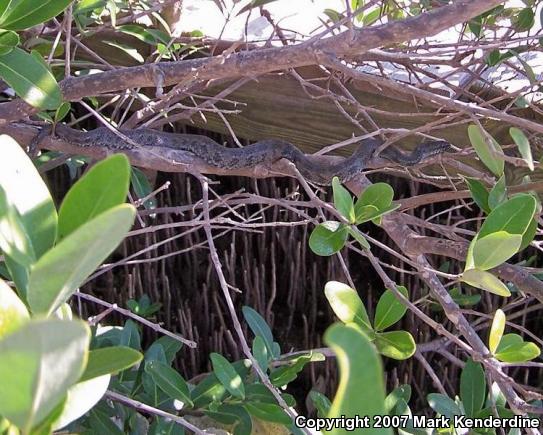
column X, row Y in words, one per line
column 262, row 152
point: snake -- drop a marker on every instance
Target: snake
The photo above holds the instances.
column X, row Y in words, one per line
column 267, row 151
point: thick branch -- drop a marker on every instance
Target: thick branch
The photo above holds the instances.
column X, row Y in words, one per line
column 252, row 63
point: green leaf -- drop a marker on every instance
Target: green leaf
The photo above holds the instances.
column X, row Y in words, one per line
column 38, row 363
column 320, row 402
column 487, row 149
column 343, row 200
column 512, row 216
column 464, row 299
column 379, row 195
column 361, row 376
column 370, row 212
column 142, row 188
column 103, row 187
column 259, row 327
column 59, row 272
column 485, row 281
column 207, row 391
column 498, row 194
column 443, row 405
column 478, row 193
column 268, row 412
column 23, row 14
column 403, row 392
column 30, row 79
column 101, row 423
column 524, row 20
column 62, row 111
column 495, row 249
column 523, row 146
column 389, row 309
column 13, row 313
column 328, row 238
column 496, row 330
column 283, row 375
column 81, row 398
column 227, row 375
column 472, row 387
column 233, row 415
column 398, row 345
column 130, row 335
column 8, row 40
column 14, row 240
column 110, row 360
column 260, row 352
column 169, row 381
column 514, row 349
column 347, row 305
column 27, row 191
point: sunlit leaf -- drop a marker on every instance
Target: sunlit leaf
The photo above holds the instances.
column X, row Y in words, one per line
column 496, row 330
column 347, row 305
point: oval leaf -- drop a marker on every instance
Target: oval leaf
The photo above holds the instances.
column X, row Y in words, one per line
column 268, row 412
column 110, row 360
column 389, row 309
column 30, row 79
column 523, row 146
column 487, row 149
column 347, row 305
column 343, row 202
column 8, row 40
column 443, row 405
column 58, row 273
column 494, row 249
column 496, row 330
column 328, row 238
column 485, row 281
column 228, row 376
column 478, row 193
column 103, row 187
column 398, row 345
column 23, row 14
column 169, row 381
column 513, row 216
column 472, row 387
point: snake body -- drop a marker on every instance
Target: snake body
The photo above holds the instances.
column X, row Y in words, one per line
column 262, row 152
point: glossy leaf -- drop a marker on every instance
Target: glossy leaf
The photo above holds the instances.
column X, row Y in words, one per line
column 235, row 415
column 142, row 188
column 228, row 376
column 38, row 363
column 343, row 202
column 268, row 412
column 487, row 149
column 513, row 216
column 361, row 376
column 130, row 335
column 496, row 330
column 58, row 273
column 513, row 349
column 389, row 309
column 260, row 353
column 328, row 238
column 103, row 187
column 398, row 345
column 443, row 405
column 13, row 313
column 485, row 281
column 529, row 235
column 403, row 392
column 169, row 381
column 523, row 146
column 478, row 193
column 30, row 79
column 23, row 14
column 472, row 387
column 347, row 305
column 81, row 398
column 14, row 240
column 379, row 195
column 27, row 191
column 259, row 327
column 357, row 235
column 281, row 376
column 495, row 249
column 110, row 360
